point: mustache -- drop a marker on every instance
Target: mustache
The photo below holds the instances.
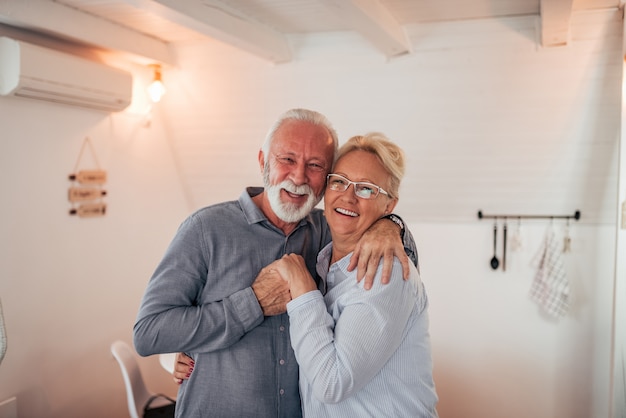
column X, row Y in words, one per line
column 289, row 186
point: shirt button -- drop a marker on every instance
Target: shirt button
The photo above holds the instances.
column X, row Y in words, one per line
column 282, row 328
column 282, row 391
column 282, row 362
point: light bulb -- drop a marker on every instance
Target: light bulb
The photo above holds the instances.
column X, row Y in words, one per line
column 156, row 89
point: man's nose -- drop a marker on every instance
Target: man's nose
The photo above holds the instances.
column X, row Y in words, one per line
column 298, row 174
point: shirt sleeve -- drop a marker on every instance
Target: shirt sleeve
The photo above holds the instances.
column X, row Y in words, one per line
column 170, row 318
column 409, row 243
column 338, row 357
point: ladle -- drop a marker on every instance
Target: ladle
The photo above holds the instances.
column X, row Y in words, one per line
column 494, row 261
column 504, row 246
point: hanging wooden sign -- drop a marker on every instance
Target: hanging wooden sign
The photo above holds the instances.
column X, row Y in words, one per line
column 79, row 194
column 89, row 177
column 87, row 187
column 89, row 210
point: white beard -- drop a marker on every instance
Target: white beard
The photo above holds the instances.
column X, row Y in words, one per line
column 290, row 212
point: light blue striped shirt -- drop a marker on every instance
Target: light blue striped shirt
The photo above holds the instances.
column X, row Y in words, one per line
column 363, row 353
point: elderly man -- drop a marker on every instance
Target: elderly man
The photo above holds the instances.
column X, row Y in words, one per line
column 211, row 297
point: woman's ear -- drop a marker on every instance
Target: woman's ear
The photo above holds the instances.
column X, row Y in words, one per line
column 390, row 206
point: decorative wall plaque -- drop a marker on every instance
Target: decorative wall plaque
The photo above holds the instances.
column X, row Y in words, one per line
column 87, row 187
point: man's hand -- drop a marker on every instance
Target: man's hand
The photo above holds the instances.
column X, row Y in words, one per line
column 381, row 240
column 271, row 291
column 183, row 366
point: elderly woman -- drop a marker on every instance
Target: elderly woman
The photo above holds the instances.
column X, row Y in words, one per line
column 362, row 353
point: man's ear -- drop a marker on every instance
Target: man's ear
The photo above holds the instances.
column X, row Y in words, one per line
column 261, row 160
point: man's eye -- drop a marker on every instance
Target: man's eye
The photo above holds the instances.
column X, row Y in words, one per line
column 316, row 167
column 285, row 160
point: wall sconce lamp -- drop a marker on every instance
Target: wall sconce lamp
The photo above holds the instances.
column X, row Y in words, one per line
column 156, row 89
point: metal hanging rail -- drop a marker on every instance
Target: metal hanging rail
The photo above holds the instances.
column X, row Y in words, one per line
column 575, row 216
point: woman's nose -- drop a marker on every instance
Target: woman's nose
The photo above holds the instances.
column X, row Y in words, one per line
column 350, row 195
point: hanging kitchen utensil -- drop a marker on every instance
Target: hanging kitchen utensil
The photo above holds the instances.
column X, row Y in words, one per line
column 504, row 246
column 494, row 261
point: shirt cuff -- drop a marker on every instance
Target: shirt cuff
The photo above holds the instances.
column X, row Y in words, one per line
column 302, row 300
column 247, row 307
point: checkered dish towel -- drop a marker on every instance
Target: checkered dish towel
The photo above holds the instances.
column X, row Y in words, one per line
column 550, row 289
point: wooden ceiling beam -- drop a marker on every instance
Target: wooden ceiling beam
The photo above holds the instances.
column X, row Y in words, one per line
column 54, row 19
column 556, row 16
column 374, row 22
column 220, row 21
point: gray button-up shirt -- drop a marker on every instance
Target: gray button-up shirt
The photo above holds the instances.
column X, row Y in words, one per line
column 199, row 301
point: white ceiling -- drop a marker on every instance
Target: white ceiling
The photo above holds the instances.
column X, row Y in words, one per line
column 146, row 28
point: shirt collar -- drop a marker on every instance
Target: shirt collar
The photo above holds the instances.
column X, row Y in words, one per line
column 331, row 275
column 251, row 211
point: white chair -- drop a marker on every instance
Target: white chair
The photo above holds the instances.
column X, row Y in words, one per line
column 136, row 391
column 3, row 337
column 167, row 361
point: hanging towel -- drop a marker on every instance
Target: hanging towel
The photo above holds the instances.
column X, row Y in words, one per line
column 550, row 288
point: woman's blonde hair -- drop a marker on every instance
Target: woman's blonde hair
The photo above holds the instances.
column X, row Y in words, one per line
column 389, row 154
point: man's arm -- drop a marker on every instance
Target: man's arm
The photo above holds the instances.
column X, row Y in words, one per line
column 386, row 238
column 272, row 293
column 173, row 317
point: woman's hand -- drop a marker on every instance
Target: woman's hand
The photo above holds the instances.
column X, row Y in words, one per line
column 292, row 268
column 183, row 366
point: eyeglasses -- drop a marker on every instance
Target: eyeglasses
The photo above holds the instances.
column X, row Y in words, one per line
column 362, row 189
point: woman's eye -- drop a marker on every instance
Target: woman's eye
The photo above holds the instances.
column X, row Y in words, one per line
column 366, row 190
column 337, row 185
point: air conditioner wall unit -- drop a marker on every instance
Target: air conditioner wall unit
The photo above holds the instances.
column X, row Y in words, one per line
column 35, row 72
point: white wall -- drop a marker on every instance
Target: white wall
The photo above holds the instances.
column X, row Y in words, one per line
column 489, row 119
column 619, row 380
column 548, row 123
column 495, row 354
column 70, row 286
